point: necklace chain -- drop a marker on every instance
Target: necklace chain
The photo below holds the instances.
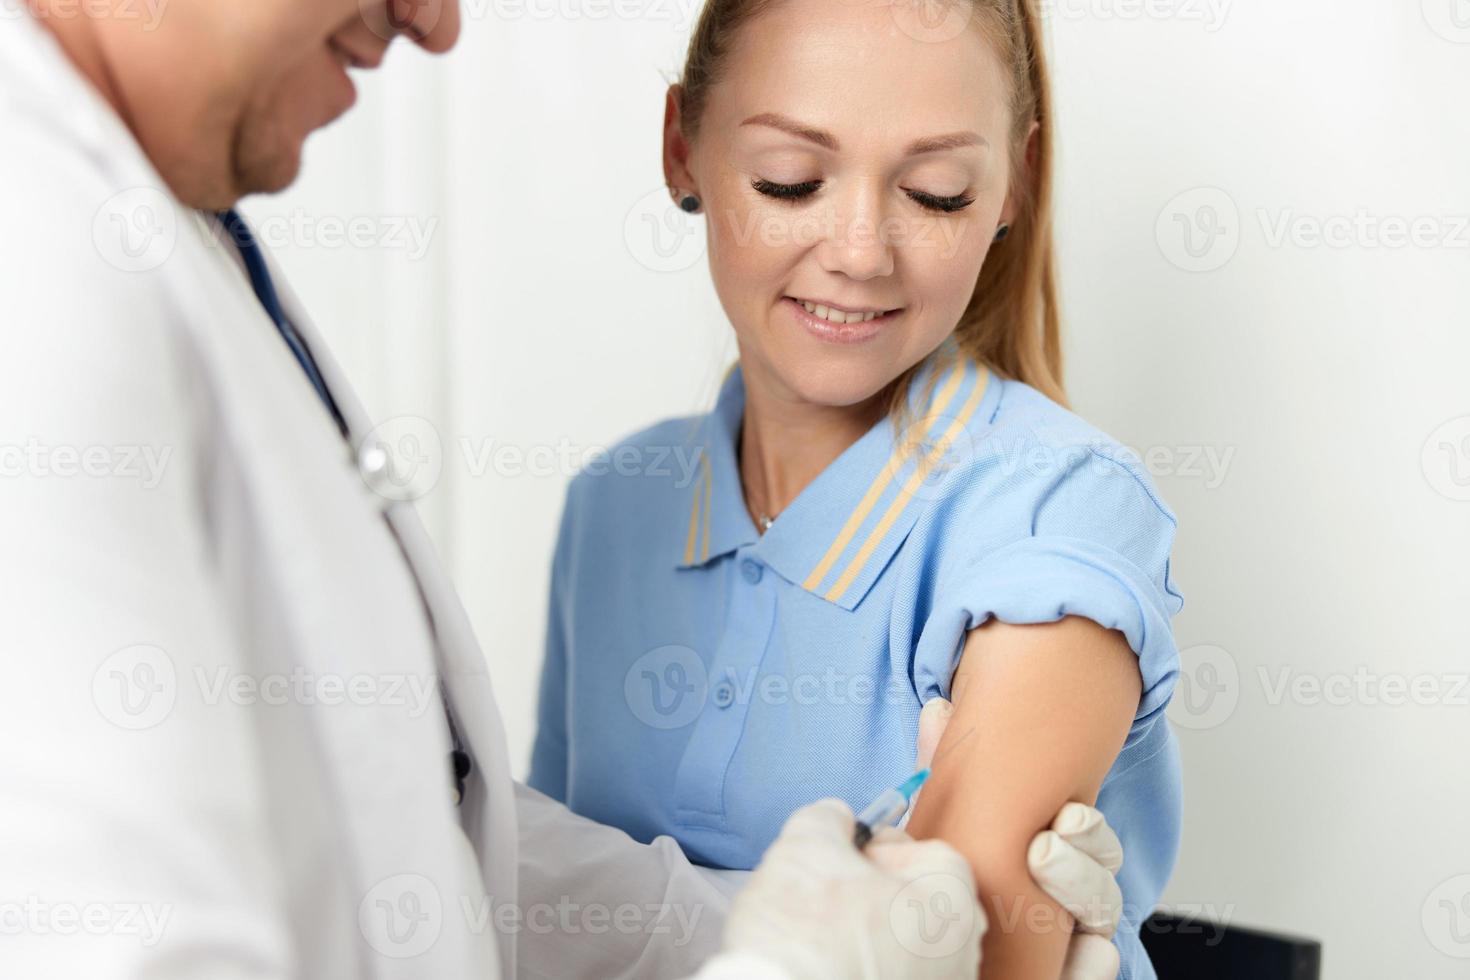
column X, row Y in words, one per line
column 763, row 519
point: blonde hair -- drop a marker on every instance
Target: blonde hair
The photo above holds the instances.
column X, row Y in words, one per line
column 1011, row 323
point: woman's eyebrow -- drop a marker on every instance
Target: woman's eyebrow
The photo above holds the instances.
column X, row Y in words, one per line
column 928, row 144
column 949, row 141
column 788, row 125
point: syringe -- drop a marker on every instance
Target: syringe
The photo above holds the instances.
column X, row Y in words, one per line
column 887, row 810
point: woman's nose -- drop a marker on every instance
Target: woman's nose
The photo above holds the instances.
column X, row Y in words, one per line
column 857, row 242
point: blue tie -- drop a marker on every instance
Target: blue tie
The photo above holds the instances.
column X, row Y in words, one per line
column 265, row 291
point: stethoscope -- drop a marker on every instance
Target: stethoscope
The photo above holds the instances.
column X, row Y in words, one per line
column 377, row 466
column 374, row 457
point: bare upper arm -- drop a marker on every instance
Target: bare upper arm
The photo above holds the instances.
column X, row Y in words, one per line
column 1041, row 713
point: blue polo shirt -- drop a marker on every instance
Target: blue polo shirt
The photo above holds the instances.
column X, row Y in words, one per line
column 703, row 680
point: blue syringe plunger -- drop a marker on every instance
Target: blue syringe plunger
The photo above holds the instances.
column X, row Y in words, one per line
column 888, row 808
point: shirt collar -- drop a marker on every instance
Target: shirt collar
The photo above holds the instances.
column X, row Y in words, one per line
column 718, row 521
column 836, row 537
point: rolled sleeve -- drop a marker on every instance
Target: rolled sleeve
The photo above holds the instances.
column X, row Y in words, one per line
column 1099, row 548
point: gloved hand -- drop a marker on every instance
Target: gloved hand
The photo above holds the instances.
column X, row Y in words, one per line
column 818, row 909
column 1074, row 862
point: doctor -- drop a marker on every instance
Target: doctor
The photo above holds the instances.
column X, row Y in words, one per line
column 245, row 729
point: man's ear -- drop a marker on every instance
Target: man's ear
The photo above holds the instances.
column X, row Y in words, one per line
column 1030, row 156
column 676, row 147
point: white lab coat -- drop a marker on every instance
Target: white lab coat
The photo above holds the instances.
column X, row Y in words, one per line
column 216, row 756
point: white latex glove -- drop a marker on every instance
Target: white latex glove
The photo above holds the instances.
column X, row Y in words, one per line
column 818, row 909
column 1074, row 862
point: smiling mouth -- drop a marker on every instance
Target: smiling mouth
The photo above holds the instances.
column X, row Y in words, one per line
column 837, row 325
column 842, row 316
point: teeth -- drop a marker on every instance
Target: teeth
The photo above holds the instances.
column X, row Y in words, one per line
column 838, row 316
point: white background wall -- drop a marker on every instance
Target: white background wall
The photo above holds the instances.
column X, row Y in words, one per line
column 1303, row 404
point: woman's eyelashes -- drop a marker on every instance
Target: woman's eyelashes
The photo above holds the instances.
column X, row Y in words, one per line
column 786, row 192
column 806, row 188
column 934, row 202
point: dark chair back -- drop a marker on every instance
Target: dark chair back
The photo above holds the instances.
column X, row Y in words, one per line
column 1184, row 948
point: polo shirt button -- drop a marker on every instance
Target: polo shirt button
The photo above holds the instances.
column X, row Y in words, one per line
column 724, row 694
column 751, row 571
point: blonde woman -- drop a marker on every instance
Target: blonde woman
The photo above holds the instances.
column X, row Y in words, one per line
column 890, row 504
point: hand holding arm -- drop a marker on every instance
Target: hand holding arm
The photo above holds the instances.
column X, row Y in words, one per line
column 1040, row 714
column 789, row 922
column 1074, row 861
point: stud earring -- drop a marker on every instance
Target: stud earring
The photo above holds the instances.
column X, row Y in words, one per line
column 689, row 203
column 1002, row 232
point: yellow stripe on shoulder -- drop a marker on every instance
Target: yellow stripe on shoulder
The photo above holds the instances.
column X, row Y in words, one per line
column 905, row 494
column 709, row 482
column 870, row 499
column 693, row 523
